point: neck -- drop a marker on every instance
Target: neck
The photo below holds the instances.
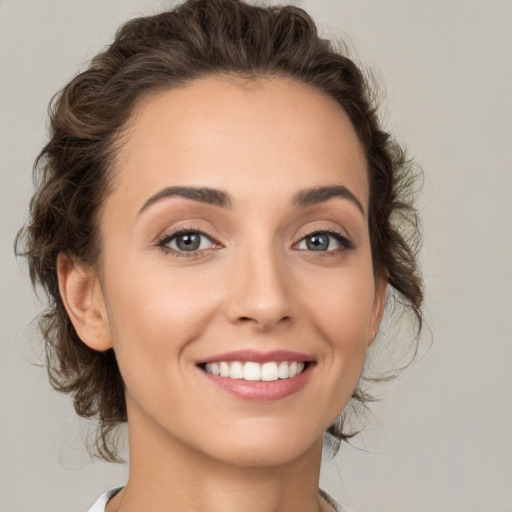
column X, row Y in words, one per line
column 167, row 476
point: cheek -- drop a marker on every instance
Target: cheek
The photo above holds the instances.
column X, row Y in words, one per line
column 343, row 305
column 154, row 315
column 341, row 310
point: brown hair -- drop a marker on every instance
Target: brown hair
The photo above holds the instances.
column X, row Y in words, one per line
column 71, row 174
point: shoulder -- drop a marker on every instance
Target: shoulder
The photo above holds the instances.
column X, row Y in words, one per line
column 101, row 502
column 332, row 505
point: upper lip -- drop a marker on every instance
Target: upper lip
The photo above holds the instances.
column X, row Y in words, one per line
column 257, row 357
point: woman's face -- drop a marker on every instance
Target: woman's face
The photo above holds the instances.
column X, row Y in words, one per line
column 235, row 240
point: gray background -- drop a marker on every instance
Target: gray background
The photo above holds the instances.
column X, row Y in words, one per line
column 441, row 439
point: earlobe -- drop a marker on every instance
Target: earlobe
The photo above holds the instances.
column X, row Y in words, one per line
column 83, row 299
column 379, row 305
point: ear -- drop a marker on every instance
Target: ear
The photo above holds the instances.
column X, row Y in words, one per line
column 379, row 305
column 83, row 299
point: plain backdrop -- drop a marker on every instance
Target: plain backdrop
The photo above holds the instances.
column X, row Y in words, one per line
column 441, row 438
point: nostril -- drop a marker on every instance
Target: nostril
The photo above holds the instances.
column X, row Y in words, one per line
column 264, row 323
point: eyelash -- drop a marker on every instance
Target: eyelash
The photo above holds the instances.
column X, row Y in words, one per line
column 163, row 242
column 345, row 243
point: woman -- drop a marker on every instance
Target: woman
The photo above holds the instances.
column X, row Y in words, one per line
column 219, row 226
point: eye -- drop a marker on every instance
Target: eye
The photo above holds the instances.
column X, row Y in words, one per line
column 325, row 241
column 186, row 241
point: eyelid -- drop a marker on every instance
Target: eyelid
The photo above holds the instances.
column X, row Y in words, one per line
column 162, row 240
column 341, row 237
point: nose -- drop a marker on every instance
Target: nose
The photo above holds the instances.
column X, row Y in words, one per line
column 259, row 290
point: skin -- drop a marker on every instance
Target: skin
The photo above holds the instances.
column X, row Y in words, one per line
column 252, row 284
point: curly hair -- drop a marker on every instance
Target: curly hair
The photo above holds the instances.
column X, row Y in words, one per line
column 72, row 173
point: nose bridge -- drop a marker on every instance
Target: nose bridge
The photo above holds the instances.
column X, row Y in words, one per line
column 258, row 291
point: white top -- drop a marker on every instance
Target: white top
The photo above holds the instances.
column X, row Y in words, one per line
column 101, row 502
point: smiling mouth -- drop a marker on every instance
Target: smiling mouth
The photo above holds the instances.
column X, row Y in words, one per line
column 253, row 371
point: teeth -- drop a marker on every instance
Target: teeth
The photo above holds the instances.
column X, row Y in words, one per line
column 224, row 369
column 236, row 370
column 269, row 372
column 252, row 371
column 282, row 371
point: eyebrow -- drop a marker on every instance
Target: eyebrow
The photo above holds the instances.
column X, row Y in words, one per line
column 311, row 196
column 305, row 197
column 201, row 194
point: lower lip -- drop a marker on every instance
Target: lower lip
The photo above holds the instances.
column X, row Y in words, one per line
column 263, row 391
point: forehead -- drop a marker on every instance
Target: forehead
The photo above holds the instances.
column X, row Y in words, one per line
column 246, row 135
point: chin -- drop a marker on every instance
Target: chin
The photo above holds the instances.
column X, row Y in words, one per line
column 265, row 444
